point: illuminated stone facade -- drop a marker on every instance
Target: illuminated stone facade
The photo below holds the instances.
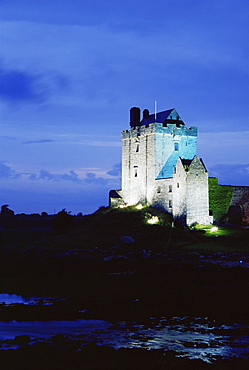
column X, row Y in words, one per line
column 160, row 167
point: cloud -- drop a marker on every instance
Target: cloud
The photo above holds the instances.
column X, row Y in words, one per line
column 84, row 176
column 41, row 141
column 91, row 178
column 6, row 171
column 116, row 170
column 18, row 85
column 47, row 175
column 231, row 174
column 71, row 176
column 102, row 63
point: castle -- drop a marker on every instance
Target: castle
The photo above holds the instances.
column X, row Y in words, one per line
column 160, row 167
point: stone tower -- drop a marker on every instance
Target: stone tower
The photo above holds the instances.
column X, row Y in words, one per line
column 160, row 167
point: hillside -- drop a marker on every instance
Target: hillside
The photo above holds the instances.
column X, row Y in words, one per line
column 127, row 229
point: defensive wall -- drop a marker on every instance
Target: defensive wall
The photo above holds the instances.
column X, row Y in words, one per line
column 229, row 202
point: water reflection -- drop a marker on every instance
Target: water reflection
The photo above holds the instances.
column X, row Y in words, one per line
column 14, row 298
column 10, row 299
column 195, row 338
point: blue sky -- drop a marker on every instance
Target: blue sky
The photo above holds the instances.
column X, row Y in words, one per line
column 71, row 70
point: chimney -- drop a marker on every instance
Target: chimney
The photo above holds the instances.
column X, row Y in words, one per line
column 134, row 117
column 146, row 113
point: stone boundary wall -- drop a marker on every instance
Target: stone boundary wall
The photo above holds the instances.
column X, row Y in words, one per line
column 241, row 199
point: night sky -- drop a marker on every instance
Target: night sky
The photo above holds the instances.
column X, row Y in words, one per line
column 71, row 71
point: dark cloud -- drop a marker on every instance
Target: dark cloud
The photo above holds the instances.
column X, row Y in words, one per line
column 22, row 86
column 71, row 176
column 6, row 171
column 116, row 170
column 91, row 178
column 17, row 85
column 231, row 174
column 46, row 175
column 42, row 141
column 33, row 176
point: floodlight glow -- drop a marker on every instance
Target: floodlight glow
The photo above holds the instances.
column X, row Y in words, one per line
column 139, row 206
column 153, row 220
column 214, row 229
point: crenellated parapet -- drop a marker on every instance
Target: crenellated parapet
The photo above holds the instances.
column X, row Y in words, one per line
column 172, row 129
column 139, row 131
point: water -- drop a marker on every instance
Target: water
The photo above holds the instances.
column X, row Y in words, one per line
column 195, row 338
column 10, row 299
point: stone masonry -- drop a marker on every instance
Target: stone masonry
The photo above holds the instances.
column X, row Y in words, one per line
column 160, row 167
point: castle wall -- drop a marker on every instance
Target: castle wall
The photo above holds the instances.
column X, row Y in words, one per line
column 197, row 200
column 163, row 195
column 150, row 153
column 179, row 192
column 153, row 172
column 229, row 201
column 241, row 198
column 138, row 164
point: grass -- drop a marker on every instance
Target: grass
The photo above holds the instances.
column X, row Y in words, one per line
column 104, row 229
column 230, row 230
column 226, row 239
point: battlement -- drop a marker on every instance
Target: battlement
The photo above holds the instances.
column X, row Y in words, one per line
column 139, row 131
column 164, row 128
column 174, row 129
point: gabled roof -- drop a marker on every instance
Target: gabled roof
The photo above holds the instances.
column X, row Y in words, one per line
column 167, row 116
column 188, row 162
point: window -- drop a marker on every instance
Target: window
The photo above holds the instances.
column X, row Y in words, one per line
column 137, row 148
column 159, row 189
column 176, row 146
column 170, row 203
column 135, row 171
column 178, row 185
column 170, row 188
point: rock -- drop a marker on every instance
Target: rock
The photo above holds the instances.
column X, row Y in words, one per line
column 59, row 340
column 21, row 339
column 127, row 239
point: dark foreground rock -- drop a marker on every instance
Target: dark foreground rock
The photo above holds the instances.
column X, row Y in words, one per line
column 131, row 286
